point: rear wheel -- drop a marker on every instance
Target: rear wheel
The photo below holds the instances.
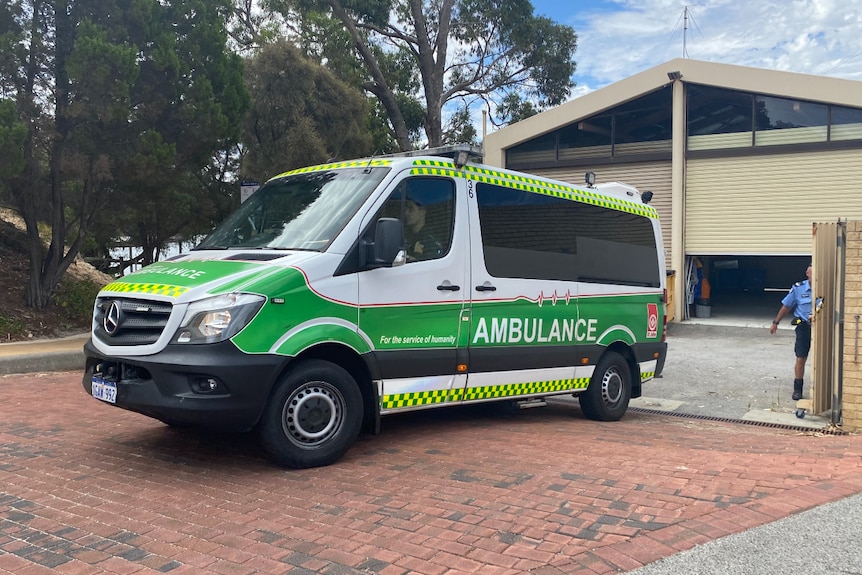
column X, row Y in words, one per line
column 610, row 389
column 313, row 417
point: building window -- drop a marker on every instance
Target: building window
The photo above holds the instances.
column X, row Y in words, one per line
column 639, row 129
column 846, row 124
column 719, row 119
column 590, row 138
column 541, row 149
column 784, row 121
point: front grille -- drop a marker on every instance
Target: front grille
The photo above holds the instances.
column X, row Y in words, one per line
column 138, row 322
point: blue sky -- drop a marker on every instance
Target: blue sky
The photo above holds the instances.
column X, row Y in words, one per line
column 619, row 38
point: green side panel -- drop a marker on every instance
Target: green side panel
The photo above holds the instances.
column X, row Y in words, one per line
column 322, row 333
column 629, row 318
column 554, row 321
column 290, row 303
column 412, row 326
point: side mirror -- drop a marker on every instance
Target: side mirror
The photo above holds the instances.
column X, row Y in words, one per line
column 388, row 242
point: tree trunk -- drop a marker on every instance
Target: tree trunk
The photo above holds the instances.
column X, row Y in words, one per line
column 46, row 268
column 379, row 87
column 432, row 63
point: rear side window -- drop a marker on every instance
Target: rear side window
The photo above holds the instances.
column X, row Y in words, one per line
column 535, row 236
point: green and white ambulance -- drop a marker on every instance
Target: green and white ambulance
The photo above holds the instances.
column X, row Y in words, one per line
column 341, row 293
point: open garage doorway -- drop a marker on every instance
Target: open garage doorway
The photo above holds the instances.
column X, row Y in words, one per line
column 741, row 290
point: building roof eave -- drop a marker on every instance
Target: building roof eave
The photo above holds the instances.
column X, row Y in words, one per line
column 773, row 82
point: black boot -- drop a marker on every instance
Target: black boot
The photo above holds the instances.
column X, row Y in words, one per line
column 797, row 389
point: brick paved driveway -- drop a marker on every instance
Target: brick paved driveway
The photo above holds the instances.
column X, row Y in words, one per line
column 88, row 488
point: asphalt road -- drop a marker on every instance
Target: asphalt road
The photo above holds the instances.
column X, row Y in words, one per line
column 723, row 371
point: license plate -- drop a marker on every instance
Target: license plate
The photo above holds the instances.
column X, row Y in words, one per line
column 104, row 389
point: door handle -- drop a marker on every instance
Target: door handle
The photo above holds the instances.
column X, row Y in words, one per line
column 486, row 288
column 448, row 288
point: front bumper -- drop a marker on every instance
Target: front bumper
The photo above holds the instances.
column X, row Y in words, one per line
column 213, row 385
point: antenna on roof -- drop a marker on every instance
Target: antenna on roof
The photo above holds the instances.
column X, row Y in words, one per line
column 685, row 17
column 685, row 32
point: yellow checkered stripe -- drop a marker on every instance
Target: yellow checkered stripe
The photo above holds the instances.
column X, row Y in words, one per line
column 416, row 398
column 532, row 388
column 533, row 185
column 151, row 289
column 647, row 375
column 338, row 165
column 420, row 398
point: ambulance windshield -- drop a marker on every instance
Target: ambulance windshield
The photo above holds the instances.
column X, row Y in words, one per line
column 297, row 212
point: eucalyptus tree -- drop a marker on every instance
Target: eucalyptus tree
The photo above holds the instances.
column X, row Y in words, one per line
column 123, row 104
column 440, row 56
column 301, row 114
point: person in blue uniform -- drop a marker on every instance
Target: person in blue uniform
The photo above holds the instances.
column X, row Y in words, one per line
column 798, row 303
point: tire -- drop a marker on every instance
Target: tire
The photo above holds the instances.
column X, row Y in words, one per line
column 313, row 416
column 607, row 397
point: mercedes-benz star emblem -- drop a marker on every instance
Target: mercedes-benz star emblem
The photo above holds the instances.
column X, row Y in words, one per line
column 111, row 321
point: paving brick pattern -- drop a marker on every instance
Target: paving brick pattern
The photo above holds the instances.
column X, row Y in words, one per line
column 86, row 488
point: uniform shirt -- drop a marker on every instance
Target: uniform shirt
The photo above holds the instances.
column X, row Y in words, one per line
column 799, row 300
column 422, row 246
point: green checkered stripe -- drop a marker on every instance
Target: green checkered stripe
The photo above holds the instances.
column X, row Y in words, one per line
column 337, row 166
column 437, row 396
column 151, row 289
column 533, row 185
column 647, row 375
column 417, row 398
column 532, row 388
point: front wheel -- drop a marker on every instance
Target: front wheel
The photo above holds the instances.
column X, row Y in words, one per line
column 610, row 389
column 313, row 417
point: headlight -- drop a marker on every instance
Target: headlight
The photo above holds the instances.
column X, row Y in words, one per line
column 218, row 318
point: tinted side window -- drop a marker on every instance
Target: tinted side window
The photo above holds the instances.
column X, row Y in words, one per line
column 534, row 236
column 426, row 206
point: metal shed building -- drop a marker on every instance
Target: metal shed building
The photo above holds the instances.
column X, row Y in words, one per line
column 741, row 162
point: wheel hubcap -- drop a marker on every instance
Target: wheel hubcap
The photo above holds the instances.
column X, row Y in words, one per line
column 612, row 387
column 313, row 414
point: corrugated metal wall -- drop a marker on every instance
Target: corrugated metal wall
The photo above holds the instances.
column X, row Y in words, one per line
column 767, row 204
column 645, row 176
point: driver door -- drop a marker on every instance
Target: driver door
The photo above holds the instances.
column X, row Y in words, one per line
column 412, row 312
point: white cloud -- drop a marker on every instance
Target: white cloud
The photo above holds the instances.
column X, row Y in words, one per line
column 821, row 37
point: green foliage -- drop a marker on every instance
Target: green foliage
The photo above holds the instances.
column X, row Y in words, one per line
column 126, row 106
column 13, row 134
column 461, row 129
column 301, row 114
column 513, row 109
column 75, row 298
column 441, row 58
column 10, row 327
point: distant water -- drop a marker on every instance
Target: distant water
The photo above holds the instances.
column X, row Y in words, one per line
column 172, row 249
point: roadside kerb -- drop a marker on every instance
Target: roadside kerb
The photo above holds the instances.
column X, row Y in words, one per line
column 59, row 354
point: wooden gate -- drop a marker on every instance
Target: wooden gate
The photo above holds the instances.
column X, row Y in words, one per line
column 829, row 249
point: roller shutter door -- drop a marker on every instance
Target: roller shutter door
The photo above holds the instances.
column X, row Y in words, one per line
column 766, row 205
